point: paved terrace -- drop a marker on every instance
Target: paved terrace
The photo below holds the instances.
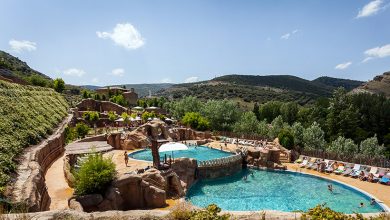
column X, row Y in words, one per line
column 87, row 147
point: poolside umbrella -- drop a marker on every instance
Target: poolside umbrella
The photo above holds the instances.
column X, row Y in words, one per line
column 172, row 146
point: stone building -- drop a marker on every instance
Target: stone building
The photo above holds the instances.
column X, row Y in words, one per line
column 131, row 97
column 113, row 90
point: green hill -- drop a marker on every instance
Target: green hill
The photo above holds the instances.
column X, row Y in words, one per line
column 27, row 115
column 14, row 70
column 251, row 88
column 336, row 82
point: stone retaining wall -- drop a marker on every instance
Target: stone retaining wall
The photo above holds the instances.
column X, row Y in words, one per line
column 100, row 106
column 219, row 167
column 30, row 187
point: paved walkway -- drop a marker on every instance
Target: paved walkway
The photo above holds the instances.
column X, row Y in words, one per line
column 57, row 187
column 118, row 158
column 382, row 192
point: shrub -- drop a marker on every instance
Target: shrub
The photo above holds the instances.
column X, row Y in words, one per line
column 323, row 212
column 81, row 129
column 94, row 175
column 210, row 213
column 286, row 139
column 70, row 134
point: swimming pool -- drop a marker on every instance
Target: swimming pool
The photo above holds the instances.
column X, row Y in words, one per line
column 277, row 190
column 200, row 153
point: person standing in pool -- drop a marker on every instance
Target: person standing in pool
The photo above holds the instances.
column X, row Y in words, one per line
column 126, row 158
column 372, row 201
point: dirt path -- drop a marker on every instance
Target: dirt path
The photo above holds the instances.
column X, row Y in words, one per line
column 57, row 187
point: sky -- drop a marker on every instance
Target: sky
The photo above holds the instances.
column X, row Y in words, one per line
column 149, row 41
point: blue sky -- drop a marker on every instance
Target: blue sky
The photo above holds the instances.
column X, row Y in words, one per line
column 150, row 41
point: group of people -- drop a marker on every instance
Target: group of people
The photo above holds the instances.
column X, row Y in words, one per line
column 361, row 205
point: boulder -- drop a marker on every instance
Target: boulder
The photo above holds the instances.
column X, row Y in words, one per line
column 185, row 169
column 255, row 153
column 105, row 205
column 73, row 204
column 153, row 176
column 89, row 200
column 154, row 197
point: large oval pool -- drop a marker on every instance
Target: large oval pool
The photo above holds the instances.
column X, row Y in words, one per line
column 200, row 153
column 277, row 190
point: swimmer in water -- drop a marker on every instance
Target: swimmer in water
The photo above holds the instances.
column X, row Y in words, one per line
column 361, row 205
column 330, row 187
column 372, row 201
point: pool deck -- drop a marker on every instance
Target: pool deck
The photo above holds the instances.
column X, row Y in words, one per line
column 381, row 192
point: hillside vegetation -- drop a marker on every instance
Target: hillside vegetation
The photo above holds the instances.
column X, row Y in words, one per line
column 251, row 88
column 27, row 115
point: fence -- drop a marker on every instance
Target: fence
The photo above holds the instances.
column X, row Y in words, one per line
column 220, row 161
column 241, row 136
column 359, row 159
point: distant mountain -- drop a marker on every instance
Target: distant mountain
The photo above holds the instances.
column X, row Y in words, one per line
column 254, row 88
column 14, row 70
column 379, row 85
column 141, row 89
column 336, row 82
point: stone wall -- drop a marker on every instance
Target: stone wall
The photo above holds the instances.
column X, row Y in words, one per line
column 100, row 106
column 30, row 187
column 219, row 167
column 148, row 190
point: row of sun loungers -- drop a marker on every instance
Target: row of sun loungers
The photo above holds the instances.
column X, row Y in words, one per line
column 363, row 172
column 245, row 142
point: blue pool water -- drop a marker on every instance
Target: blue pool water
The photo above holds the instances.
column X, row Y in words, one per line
column 199, row 153
column 277, row 190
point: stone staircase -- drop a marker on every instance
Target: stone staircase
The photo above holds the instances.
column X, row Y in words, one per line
column 284, row 157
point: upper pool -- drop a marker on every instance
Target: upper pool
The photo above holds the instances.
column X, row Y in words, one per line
column 200, row 153
column 277, row 190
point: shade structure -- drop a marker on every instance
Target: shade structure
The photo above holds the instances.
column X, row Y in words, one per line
column 120, row 119
column 138, row 108
column 172, row 146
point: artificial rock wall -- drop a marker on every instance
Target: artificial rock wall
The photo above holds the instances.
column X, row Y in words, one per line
column 30, row 187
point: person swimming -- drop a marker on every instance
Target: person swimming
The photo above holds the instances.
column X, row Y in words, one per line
column 330, row 187
column 373, row 201
column 361, row 205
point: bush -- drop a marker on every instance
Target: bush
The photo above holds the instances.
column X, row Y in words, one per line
column 59, row 85
column 210, row 213
column 70, row 134
column 286, row 139
column 81, row 130
column 323, row 212
column 94, row 175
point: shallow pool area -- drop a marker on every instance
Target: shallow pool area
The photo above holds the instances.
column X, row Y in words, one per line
column 200, row 153
column 254, row 190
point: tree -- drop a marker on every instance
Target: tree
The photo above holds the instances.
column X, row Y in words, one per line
column 276, row 127
column 256, row 110
column 270, row 110
column 112, row 116
column 289, row 112
column 313, row 137
column 186, row 104
column 222, row 114
column 59, row 85
column 247, row 124
column 297, row 131
column 195, row 121
column 263, row 128
column 343, row 146
column 286, row 139
column 126, row 118
column 146, row 115
column 119, row 99
column 370, row 147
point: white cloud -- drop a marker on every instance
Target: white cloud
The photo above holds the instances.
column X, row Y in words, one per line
column 19, row 46
column 117, row 72
column 377, row 52
column 342, row 66
column 288, row 35
column 166, row 80
column 191, row 79
column 125, row 35
column 74, row 72
column 370, row 9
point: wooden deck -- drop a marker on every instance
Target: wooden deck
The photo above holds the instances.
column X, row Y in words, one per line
column 87, row 147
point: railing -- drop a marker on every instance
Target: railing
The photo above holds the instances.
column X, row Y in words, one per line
column 241, row 136
column 359, row 159
column 220, row 161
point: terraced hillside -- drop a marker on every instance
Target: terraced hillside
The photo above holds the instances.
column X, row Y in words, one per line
column 27, row 115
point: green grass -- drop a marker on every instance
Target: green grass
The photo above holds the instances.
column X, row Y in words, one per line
column 27, row 115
